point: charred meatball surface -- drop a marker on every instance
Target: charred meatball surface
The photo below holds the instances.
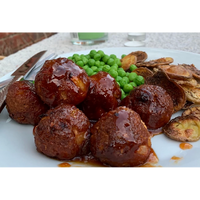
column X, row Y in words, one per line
column 103, row 96
column 63, row 133
column 61, row 81
column 152, row 103
column 23, row 104
column 120, row 139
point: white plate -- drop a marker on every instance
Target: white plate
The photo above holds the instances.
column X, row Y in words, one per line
column 17, row 148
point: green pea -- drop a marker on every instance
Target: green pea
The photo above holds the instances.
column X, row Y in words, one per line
column 115, row 67
column 99, row 69
column 74, row 55
column 139, row 80
column 123, row 95
column 118, row 62
column 123, row 55
column 122, row 91
column 94, row 73
column 77, row 58
column 101, row 53
column 127, row 88
column 102, row 63
column 85, row 60
column 91, row 62
column 132, row 67
column 113, row 73
column 94, row 68
column 113, row 56
column 133, row 84
column 89, row 71
column 82, row 56
column 80, row 63
column 118, row 78
column 123, row 82
column 70, row 58
column 111, row 61
column 132, row 76
column 105, row 58
column 97, row 56
column 127, row 74
column 88, row 56
column 92, row 53
column 121, row 72
column 106, row 68
column 85, row 67
column 126, row 78
column 121, row 69
column 97, row 63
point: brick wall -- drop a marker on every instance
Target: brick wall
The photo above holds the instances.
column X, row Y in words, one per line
column 13, row 42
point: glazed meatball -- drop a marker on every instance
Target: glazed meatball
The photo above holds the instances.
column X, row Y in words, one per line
column 120, row 139
column 63, row 133
column 61, row 81
column 152, row 103
column 103, row 96
column 23, row 104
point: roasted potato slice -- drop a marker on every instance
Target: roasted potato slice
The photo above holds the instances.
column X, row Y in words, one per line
column 192, row 93
column 127, row 61
column 190, row 82
column 176, row 92
column 195, row 72
column 183, row 129
column 156, row 63
column 187, row 105
column 141, row 55
column 176, row 72
column 195, row 111
column 143, row 71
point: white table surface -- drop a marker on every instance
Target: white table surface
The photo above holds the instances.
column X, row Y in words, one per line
column 60, row 43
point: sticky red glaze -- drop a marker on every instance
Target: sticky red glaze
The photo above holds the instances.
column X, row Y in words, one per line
column 61, row 81
column 63, row 133
column 23, row 104
column 119, row 138
column 152, row 103
column 103, row 96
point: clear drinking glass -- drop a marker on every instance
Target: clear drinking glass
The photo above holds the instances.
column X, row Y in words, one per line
column 137, row 34
column 136, row 39
column 88, row 38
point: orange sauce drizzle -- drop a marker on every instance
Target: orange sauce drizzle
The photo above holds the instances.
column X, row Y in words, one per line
column 92, row 162
column 64, row 164
column 185, row 146
column 176, row 159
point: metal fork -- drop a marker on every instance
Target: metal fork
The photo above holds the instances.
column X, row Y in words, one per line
column 5, row 82
column 32, row 73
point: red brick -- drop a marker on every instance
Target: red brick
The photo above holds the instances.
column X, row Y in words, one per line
column 3, row 48
column 12, row 42
column 26, row 39
column 32, row 34
column 40, row 35
column 3, row 35
column 47, row 32
column 6, row 32
column 17, row 42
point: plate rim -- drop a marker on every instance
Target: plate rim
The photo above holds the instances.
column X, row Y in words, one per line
column 129, row 48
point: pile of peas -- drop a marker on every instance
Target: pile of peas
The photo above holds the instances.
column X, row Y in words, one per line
column 97, row 61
